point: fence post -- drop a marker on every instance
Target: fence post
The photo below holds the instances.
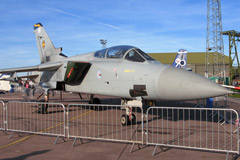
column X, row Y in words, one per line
column 2, row 116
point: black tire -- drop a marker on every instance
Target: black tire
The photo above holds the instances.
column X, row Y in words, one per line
column 92, row 107
column 42, row 109
column 95, row 101
column 125, row 120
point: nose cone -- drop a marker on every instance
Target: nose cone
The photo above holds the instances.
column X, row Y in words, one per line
column 179, row 84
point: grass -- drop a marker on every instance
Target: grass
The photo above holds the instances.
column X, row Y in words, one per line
column 235, row 95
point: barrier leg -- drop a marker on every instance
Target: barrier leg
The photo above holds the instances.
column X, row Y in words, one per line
column 76, row 140
column 154, row 150
column 227, row 155
column 133, row 147
column 12, row 135
column 57, row 140
column 160, row 148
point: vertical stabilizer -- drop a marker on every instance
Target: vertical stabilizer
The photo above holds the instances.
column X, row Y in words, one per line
column 181, row 59
column 47, row 51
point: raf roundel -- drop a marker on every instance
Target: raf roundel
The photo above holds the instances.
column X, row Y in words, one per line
column 99, row 74
column 178, row 60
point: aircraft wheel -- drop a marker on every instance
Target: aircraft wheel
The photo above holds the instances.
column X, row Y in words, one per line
column 95, row 101
column 125, row 120
column 42, row 109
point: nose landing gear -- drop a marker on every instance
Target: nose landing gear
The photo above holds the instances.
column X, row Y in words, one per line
column 129, row 118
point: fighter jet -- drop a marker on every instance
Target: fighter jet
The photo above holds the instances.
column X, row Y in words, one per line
column 123, row 71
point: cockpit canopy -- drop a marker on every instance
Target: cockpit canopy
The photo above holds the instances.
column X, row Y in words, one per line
column 127, row 52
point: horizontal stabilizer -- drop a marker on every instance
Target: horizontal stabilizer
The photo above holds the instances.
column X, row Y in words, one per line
column 11, row 79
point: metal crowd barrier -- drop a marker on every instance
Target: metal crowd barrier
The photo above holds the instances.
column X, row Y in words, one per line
column 2, row 116
column 208, row 129
column 103, row 122
column 193, row 128
column 30, row 117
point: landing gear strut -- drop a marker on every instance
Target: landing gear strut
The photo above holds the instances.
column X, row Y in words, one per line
column 44, row 107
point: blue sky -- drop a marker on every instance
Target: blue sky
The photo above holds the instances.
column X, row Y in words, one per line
column 78, row 25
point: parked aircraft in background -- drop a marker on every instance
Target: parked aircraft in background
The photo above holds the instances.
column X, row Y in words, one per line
column 232, row 87
column 181, row 59
column 4, row 85
column 122, row 71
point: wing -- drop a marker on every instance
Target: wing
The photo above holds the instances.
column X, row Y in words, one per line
column 32, row 77
column 74, row 72
column 41, row 67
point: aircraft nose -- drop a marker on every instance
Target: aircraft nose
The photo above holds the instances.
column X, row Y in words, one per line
column 179, row 84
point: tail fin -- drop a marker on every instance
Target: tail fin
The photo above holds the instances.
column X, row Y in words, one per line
column 47, row 51
column 181, row 59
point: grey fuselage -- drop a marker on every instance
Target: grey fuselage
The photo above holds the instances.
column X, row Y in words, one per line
column 118, row 76
column 122, row 77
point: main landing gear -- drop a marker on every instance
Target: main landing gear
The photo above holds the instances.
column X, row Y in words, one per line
column 43, row 108
column 95, row 101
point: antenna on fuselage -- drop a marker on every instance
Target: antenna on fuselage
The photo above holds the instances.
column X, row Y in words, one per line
column 104, row 43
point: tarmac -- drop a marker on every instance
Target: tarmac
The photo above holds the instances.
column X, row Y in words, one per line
column 31, row 146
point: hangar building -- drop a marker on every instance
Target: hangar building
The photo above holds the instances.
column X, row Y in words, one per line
column 195, row 61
